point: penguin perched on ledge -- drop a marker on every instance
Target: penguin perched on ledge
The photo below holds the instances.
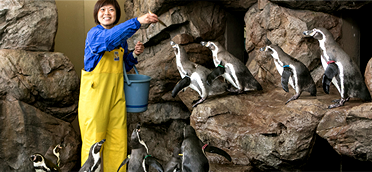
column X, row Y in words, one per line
column 339, row 68
column 194, row 76
column 139, row 160
column 231, row 68
column 292, row 71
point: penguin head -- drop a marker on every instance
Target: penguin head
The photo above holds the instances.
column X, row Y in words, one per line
column 318, row 33
column 176, row 47
column 211, row 45
column 135, row 139
column 36, row 158
column 189, row 131
column 96, row 148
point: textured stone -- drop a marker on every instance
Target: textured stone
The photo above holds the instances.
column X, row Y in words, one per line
column 25, row 130
column 45, row 80
column 28, row 25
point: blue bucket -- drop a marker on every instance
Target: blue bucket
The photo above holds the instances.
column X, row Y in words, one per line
column 136, row 88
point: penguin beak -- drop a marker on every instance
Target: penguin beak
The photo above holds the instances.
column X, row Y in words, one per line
column 32, row 158
column 205, row 44
column 172, row 43
column 263, row 49
column 309, row 33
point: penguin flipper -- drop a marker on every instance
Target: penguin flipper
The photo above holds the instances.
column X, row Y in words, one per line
column 184, row 82
column 285, row 78
column 218, row 71
column 330, row 72
column 212, row 149
column 126, row 160
column 154, row 163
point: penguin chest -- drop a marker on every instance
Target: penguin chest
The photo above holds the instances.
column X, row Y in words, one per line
column 280, row 69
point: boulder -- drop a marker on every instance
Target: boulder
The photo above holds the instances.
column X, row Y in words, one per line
column 28, row 25
column 348, row 130
column 258, row 130
column 26, row 130
column 44, row 80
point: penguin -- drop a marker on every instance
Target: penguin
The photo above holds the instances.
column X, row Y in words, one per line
column 139, row 160
column 93, row 163
column 194, row 76
column 41, row 164
column 339, row 68
column 174, row 165
column 292, row 71
column 56, row 151
column 193, row 152
column 231, row 68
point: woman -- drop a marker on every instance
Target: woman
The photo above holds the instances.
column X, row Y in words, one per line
column 102, row 112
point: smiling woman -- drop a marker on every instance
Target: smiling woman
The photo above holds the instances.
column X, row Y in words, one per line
column 102, row 105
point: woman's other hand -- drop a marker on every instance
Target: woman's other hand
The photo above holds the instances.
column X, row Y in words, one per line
column 139, row 48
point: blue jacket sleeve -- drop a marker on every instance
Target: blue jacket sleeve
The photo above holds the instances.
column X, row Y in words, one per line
column 100, row 40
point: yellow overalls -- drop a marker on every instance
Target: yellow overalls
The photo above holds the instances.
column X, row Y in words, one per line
column 102, row 112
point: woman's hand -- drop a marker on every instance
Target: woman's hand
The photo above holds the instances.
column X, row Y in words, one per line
column 139, row 48
column 148, row 18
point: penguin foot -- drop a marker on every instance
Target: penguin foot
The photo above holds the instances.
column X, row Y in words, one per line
column 235, row 90
column 295, row 97
column 201, row 100
column 339, row 103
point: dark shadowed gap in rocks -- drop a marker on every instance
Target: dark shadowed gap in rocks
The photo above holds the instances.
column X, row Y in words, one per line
column 357, row 33
column 324, row 158
column 234, row 35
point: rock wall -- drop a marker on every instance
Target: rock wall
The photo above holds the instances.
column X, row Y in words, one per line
column 256, row 129
column 39, row 89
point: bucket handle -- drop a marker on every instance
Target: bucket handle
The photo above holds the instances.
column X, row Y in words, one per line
column 125, row 73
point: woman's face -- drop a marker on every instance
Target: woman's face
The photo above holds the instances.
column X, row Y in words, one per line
column 107, row 16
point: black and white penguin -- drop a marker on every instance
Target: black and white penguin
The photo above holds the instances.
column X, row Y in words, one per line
column 194, row 76
column 292, row 71
column 193, row 152
column 231, row 68
column 139, row 159
column 339, row 68
column 41, row 164
column 174, row 165
column 93, row 163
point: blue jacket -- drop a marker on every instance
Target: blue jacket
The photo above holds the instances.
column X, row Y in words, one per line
column 100, row 40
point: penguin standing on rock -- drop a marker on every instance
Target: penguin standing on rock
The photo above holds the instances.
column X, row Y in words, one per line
column 41, row 164
column 194, row 76
column 93, row 163
column 139, row 160
column 231, row 68
column 339, row 68
column 193, row 152
column 292, row 71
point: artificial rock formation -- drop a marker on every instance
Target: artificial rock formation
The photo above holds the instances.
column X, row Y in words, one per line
column 38, row 89
column 28, row 25
column 256, row 128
